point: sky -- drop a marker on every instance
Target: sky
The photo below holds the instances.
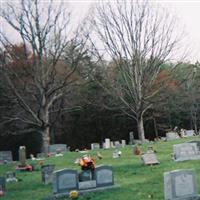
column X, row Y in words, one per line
column 187, row 11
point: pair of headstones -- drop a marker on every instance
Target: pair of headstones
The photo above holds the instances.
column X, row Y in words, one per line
column 180, row 185
column 68, row 179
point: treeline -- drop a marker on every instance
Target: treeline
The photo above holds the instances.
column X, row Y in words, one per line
column 111, row 75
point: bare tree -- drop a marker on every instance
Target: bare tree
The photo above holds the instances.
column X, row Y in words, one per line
column 138, row 37
column 51, row 54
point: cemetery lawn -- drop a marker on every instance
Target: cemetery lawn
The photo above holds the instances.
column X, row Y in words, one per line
column 137, row 182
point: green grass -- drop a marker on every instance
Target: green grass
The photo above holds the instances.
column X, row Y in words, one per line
column 138, row 182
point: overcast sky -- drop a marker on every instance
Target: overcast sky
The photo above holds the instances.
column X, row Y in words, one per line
column 187, row 11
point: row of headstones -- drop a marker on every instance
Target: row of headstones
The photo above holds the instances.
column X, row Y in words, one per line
column 181, row 152
column 109, row 144
column 178, row 184
column 6, row 156
column 184, row 133
column 67, row 179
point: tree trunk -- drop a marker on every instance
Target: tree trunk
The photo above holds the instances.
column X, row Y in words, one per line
column 140, row 126
column 45, row 140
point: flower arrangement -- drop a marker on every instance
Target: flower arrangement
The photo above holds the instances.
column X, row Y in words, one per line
column 73, row 194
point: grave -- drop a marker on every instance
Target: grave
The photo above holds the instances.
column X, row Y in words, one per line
column 95, row 146
column 3, row 185
column 107, row 143
column 116, row 154
column 6, row 157
column 47, row 173
column 104, row 176
column 131, row 138
column 180, row 185
column 149, row 159
column 172, row 136
column 123, row 143
column 57, row 148
column 112, row 144
column 186, row 151
column 65, row 180
column 117, row 144
column 22, row 156
column 11, row 177
column 189, row 133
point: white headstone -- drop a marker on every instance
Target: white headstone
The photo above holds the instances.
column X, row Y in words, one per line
column 180, row 185
column 95, row 146
column 123, row 143
column 107, row 143
column 149, row 159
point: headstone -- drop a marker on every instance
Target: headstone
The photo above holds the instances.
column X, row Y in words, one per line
column 103, row 176
column 115, row 154
column 107, row 143
column 57, row 148
column 47, row 173
column 40, row 155
column 2, row 184
column 189, row 133
column 117, row 144
column 22, row 156
column 172, row 136
column 150, row 149
column 186, row 151
column 11, row 177
column 65, row 180
column 112, row 144
column 180, row 185
column 85, row 175
column 131, row 138
column 149, row 159
column 6, row 157
column 123, row 143
column 95, row 146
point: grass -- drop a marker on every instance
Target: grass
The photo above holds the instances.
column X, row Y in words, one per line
column 138, row 182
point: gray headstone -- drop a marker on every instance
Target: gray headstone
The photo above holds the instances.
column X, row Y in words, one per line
column 172, row 136
column 131, row 138
column 2, row 184
column 186, row 151
column 22, row 156
column 103, row 176
column 180, row 185
column 65, row 180
column 95, row 146
column 40, row 155
column 189, row 133
column 6, row 157
column 149, row 159
column 47, row 173
column 11, row 177
column 58, row 148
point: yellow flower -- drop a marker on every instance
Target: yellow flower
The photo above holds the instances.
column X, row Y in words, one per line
column 73, row 194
